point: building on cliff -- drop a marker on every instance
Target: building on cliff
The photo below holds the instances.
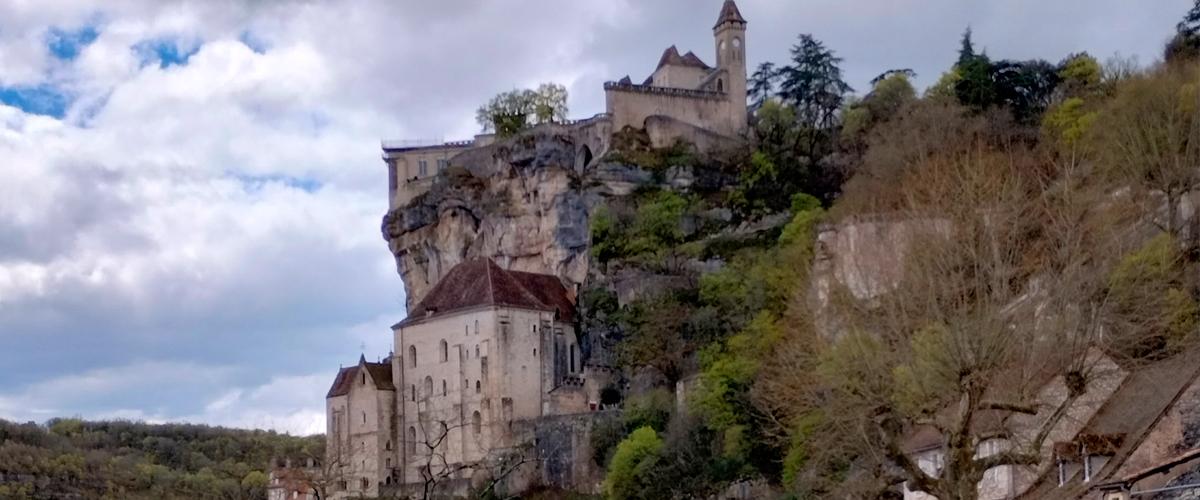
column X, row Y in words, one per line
column 683, row 99
column 483, row 351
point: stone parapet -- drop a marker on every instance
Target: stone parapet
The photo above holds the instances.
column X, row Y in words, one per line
column 650, row 89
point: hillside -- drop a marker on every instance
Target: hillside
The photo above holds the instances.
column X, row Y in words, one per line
column 74, row 459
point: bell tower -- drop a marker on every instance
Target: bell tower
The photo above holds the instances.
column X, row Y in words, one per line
column 730, row 35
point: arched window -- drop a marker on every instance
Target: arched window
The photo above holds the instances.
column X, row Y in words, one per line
column 476, row 422
column 387, row 462
column 388, row 480
column 412, row 441
column 720, row 85
column 412, row 356
column 428, row 386
column 444, row 392
column 477, row 386
column 444, row 349
column 476, row 327
column 388, row 445
column 476, row 350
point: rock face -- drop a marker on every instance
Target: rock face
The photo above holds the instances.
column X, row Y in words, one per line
column 524, row 202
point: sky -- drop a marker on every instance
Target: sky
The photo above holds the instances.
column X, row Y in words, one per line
column 191, row 190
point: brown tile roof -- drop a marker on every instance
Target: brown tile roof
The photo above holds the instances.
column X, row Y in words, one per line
column 481, row 282
column 671, row 57
column 381, row 373
column 729, row 12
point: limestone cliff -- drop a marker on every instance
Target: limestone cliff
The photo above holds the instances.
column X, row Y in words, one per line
column 523, row 202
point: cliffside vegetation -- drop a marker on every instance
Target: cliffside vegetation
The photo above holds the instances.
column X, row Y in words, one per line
column 1053, row 208
column 71, row 458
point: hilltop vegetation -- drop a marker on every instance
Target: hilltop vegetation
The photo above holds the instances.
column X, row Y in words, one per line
column 71, row 458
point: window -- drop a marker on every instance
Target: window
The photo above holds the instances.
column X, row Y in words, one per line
column 505, row 329
column 412, row 356
column 444, row 392
column 476, row 422
column 366, row 483
column 428, row 385
column 573, row 349
column 393, row 177
column 476, row 351
column 720, row 85
column 535, row 353
column 441, row 164
column 444, row 348
column 364, row 417
column 364, row 378
column 424, row 167
column 414, row 392
column 476, row 327
column 388, row 445
column 477, row 386
column 387, row 463
column 342, row 485
column 412, row 441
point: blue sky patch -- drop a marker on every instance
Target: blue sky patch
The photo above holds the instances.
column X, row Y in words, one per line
column 254, row 183
column 256, row 43
column 66, row 45
column 166, row 52
column 39, row 100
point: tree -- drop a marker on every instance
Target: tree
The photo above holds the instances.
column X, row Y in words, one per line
column 511, row 112
column 626, row 478
column 1186, row 43
column 813, row 84
column 763, row 84
column 1147, row 135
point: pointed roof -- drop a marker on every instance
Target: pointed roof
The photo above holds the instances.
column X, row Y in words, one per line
column 380, row 373
column 481, row 282
column 729, row 13
column 671, row 57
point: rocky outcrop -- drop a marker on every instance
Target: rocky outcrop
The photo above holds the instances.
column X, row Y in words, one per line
column 524, row 202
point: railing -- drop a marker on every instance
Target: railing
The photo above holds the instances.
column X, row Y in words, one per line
column 412, row 143
column 649, row 89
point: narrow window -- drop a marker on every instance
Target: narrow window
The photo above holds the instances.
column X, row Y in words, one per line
column 477, row 386
column 572, row 358
column 445, row 351
column 387, row 462
column 476, row 422
column 720, row 86
column 364, row 378
column 476, row 351
column 414, row 392
column 424, row 167
column 444, row 388
column 388, row 445
column 412, row 441
column 412, row 356
column 476, row 327
column 364, row 417
column 365, row 483
column 428, row 385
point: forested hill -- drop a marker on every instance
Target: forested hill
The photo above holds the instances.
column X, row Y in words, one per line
column 75, row 459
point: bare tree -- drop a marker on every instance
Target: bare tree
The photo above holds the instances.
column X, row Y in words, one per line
column 989, row 333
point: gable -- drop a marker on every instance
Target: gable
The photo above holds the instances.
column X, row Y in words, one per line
column 481, row 282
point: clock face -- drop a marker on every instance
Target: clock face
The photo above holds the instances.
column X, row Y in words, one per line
column 737, row 42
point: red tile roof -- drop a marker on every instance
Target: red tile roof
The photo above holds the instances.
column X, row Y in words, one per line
column 729, row 12
column 481, row 282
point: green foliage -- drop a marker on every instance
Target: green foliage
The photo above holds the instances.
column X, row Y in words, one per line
column 945, row 87
column 1068, row 122
column 652, row 409
column 1081, row 72
column 635, row 456
column 657, row 224
column 813, row 83
column 1151, row 296
column 71, row 458
column 510, row 112
column 798, row 450
column 757, row 191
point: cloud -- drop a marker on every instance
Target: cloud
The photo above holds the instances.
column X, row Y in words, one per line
column 192, row 192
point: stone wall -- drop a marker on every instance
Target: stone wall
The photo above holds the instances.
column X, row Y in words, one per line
column 630, row 105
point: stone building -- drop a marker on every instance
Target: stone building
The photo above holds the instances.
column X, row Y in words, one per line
column 485, row 349
column 683, row 99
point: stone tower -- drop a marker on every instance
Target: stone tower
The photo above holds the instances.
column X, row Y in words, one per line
column 730, row 34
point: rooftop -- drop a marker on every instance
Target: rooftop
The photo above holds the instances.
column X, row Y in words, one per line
column 481, row 282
